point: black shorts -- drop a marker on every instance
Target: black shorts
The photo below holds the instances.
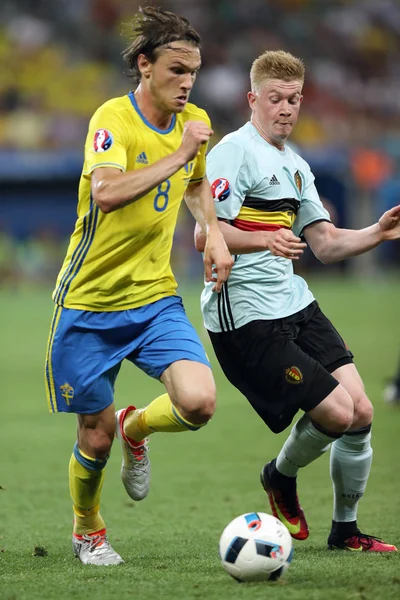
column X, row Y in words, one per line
column 283, row 365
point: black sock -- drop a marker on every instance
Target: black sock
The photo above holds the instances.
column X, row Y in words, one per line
column 344, row 530
column 280, row 480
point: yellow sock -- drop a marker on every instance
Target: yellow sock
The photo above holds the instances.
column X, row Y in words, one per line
column 159, row 415
column 86, row 477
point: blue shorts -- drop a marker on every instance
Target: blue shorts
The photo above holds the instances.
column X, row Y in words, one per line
column 86, row 349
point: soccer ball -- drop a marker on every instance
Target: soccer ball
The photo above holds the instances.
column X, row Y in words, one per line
column 255, row 547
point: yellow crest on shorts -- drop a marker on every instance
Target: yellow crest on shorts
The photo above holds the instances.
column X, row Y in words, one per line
column 67, row 391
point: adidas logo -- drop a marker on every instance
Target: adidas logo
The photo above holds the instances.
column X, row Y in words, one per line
column 142, row 159
column 274, row 180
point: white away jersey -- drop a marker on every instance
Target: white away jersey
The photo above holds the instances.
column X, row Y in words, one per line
column 258, row 187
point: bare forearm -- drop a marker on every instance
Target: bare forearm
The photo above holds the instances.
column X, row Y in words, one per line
column 201, row 204
column 345, row 243
column 238, row 242
column 112, row 191
column 244, row 242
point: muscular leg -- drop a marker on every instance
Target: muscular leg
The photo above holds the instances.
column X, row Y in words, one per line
column 191, row 387
column 351, row 455
column 351, row 458
column 86, row 468
column 312, row 435
column 188, row 404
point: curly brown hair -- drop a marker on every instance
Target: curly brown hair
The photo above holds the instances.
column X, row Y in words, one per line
column 152, row 28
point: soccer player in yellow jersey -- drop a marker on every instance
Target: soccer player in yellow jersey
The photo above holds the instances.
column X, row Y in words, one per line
column 116, row 295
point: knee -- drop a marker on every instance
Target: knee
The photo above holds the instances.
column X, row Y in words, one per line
column 200, row 405
column 363, row 411
column 336, row 412
column 99, row 441
column 341, row 418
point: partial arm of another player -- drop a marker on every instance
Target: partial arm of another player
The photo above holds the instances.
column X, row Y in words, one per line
column 113, row 189
column 330, row 244
column 199, row 200
column 282, row 242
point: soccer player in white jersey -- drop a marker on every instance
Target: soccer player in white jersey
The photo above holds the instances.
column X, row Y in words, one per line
column 269, row 335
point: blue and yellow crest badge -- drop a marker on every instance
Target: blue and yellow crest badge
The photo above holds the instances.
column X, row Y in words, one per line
column 67, row 392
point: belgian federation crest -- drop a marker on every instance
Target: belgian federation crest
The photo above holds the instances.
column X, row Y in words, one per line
column 103, row 140
column 220, row 189
column 298, row 181
column 293, row 375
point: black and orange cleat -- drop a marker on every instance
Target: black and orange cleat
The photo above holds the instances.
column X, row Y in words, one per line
column 359, row 542
column 284, row 501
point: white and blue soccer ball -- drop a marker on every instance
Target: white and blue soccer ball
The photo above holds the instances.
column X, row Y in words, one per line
column 256, row 547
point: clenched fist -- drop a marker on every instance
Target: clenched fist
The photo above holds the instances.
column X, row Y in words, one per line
column 195, row 134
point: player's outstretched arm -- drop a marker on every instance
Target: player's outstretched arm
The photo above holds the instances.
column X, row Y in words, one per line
column 199, row 200
column 330, row 244
column 282, row 242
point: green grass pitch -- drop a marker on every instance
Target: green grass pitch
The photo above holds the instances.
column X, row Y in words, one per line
column 200, row 480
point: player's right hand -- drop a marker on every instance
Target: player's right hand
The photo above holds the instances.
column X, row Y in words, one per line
column 284, row 243
column 195, row 133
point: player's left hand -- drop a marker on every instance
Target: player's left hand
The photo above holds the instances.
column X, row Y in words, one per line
column 389, row 224
column 216, row 253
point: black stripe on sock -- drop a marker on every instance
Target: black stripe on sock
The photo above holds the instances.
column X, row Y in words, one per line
column 361, row 431
column 332, row 434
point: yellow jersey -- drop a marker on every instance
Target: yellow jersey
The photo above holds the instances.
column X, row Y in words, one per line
column 121, row 260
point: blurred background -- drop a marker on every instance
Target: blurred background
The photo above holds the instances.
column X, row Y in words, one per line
column 61, row 59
